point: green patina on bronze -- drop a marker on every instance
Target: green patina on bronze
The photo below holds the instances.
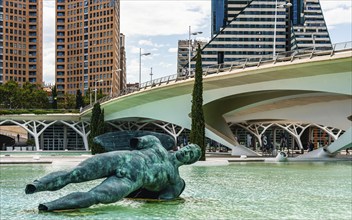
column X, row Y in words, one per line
column 147, row 171
column 120, row 140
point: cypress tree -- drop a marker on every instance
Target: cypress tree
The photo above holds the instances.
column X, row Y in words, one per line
column 79, row 99
column 54, row 97
column 97, row 127
column 197, row 135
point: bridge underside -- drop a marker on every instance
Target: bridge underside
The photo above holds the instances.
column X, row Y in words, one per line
column 315, row 92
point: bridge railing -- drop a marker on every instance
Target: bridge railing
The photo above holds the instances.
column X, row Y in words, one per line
column 289, row 56
column 159, row 81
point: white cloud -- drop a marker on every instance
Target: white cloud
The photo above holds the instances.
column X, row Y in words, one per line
column 145, row 42
column 49, row 42
column 337, row 12
column 152, row 18
column 133, row 66
column 150, row 43
column 134, row 50
column 145, row 21
column 164, row 65
column 173, row 50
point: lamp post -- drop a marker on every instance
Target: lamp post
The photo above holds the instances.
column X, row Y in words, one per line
column 189, row 47
column 112, row 80
column 151, row 75
column 286, row 5
column 95, row 89
column 140, row 65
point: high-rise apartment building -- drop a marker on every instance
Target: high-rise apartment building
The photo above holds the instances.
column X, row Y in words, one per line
column 88, row 46
column 21, row 41
column 261, row 28
column 183, row 54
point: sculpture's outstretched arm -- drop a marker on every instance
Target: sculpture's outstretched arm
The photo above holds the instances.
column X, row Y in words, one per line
column 110, row 190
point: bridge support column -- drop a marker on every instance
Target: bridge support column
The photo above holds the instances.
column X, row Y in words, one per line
column 257, row 129
column 343, row 142
column 296, row 130
column 171, row 129
column 80, row 128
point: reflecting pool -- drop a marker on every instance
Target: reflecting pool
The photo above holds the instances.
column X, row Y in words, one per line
column 237, row 191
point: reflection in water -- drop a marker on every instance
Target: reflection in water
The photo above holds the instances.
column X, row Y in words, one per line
column 239, row 191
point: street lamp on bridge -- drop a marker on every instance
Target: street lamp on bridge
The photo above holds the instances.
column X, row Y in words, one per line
column 189, row 47
column 140, row 64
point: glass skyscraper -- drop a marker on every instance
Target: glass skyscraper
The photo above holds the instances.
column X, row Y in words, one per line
column 247, row 29
column 217, row 15
column 308, row 28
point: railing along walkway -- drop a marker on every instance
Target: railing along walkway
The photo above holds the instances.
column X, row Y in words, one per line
column 289, row 56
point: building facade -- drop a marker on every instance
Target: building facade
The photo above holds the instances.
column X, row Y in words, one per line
column 88, row 46
column 122, row 71
column 21, row 41
column 183, row 54
column 308, row 26
column 261, row 29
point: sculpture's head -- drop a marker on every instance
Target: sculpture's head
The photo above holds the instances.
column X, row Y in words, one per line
column 189, row 154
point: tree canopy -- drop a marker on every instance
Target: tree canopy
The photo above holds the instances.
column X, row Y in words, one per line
column 79, row 99
column 29, row 96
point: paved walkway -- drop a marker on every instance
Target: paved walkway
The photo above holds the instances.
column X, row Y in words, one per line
column 59, row 157
column 213, row 159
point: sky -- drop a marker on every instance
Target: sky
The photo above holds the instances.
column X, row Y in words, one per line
column 156, row 26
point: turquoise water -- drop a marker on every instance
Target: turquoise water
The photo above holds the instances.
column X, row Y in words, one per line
column 238, row 191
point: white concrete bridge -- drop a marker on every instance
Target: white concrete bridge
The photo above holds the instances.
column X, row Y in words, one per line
column 309, row 88
column 295, row 90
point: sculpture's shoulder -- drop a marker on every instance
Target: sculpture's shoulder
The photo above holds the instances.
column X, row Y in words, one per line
column 173, row 190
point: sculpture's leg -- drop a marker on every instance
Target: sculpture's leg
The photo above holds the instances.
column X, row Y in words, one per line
column 57, row 180
column 110, row 190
